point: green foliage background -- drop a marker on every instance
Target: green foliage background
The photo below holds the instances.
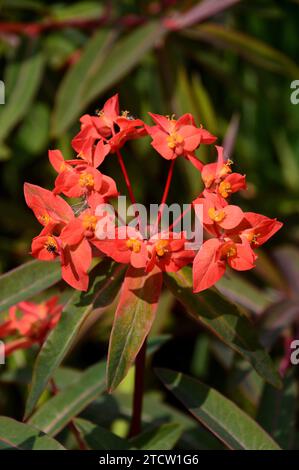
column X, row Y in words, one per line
column 233, row 71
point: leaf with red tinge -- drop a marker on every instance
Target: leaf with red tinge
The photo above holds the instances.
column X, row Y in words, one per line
column 105, row 279
column 199, row 13
column 132, row 322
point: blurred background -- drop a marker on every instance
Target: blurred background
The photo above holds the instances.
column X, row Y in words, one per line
column 231, row 64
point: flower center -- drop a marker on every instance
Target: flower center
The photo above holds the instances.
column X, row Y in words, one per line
column 229, row 250
column 51, row 245
column 134, row 245
column 174, row 139
column 225, row 189
column 208, row 180
column 226, row 168
column 86, row 180
column 162, row 247
column 253, row 238
column 216, row 216
column 90, row 222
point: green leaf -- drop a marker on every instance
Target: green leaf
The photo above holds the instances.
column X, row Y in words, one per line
column 99, row 68
column 80, row 10
column 57, row 412
column 27, row 280
column 204, row 104
column 245, row 385
column 98, row 438
column 125, row 55
column 221, row 416
column 109, row 408
column 33, row 135
column 71, row 93
column 63, row 376
column 20, row 436
column 156, row 342
column 105, row 281
column 132, row 322
column 277, row 411
column 224, row 320
column 288, row 158
column 160, row 438
column 242, row 292
column 252, row 49
column 28, row 72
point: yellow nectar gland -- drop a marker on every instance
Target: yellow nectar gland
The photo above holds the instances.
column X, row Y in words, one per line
column 86, row 180
column 42, row 310
column 253, row 238
column 90, row 222
column 134, row 245
column 174, row 139
column 229, row 251
column 225, row 189
column 162, row 247
column 208, row 180
column 45, row 219
column 51, row 245
column 216, row 216
column 226, row 169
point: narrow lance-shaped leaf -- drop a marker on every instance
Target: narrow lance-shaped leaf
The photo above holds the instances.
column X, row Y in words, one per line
column 224, row 320
column 98, row 438
column 105, row 281
column 222, row 417
column 277, row 411
column 247, row 46
column 20, row 436
column 132, row 322
column 27, row 280
column 70, row 96
column 206, row 9
column 101, row 66
column 242, row 292
column 28, row 73
column 163, row 437
column 57, row 412
column 125, row 55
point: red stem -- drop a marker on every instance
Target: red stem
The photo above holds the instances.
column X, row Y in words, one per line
column 71, row 425
column 197, row 14
column 126, row 176
column 128, row 183
column 138, row 391
column 180, row 217
column 36, row 28
column 73, row 428
column 165, row 193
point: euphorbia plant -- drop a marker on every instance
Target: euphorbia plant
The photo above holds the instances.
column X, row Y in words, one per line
column 74, row 235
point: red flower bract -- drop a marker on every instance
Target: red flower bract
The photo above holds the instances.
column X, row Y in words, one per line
column 29, row 323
